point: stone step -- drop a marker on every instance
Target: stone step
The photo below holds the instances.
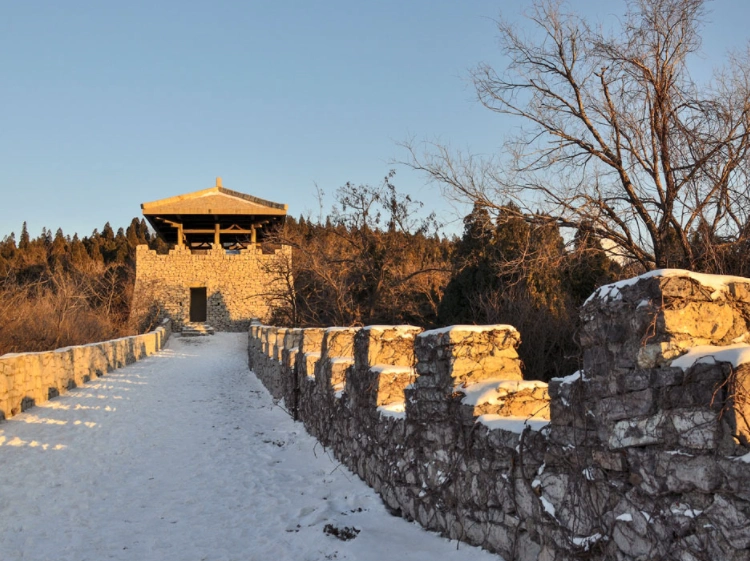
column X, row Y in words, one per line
column 197, row 330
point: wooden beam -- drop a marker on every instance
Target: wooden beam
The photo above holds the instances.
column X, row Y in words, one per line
column 217, row 236
column 213, row 231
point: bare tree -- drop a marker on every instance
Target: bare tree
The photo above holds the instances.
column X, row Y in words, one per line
column 617, row 138
column 371, row 261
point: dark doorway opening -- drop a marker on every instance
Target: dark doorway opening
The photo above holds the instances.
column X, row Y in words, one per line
column 198, row 304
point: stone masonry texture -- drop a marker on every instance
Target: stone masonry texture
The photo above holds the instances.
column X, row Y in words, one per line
column 640, row 460
column 240, row 286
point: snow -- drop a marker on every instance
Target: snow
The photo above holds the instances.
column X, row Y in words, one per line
column 744, row 459
column 718, row 283
column 685, row 510
column 339, row 389
column 470, row 328
column 407, row 331
column 397, row 410
column 625, row 517
column 511, row 424
column 736, row 354
column 586, row 541
column 341, row 360
column 549, row 508
column 492, row 391
column 389, row 369
column 183, row 455
column 570, row 378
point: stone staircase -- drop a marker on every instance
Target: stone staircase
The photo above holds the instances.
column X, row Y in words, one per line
column 197, row 330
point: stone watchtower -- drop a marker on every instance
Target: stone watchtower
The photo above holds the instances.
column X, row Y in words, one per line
column 221, row 269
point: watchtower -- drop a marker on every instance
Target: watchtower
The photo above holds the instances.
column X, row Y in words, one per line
column 222, row 268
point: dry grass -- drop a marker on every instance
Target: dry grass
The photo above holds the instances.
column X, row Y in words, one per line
column 60, row 311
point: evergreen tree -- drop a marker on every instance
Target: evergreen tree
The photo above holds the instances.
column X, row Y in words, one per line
column 108, row 233
column 23, row 242
column 78, row 253
column 46, row 238
column 132, row 233
column 588, row 267
column 144, row 234
column 58, row 251
column 8, row 246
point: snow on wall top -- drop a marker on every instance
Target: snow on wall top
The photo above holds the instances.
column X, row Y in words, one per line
column 493, row 391
column 401, row 329
column 736, row 354
column 389, row 369
column 511, row 424
column 471, row 328
column 397, row 410
column 718, row 283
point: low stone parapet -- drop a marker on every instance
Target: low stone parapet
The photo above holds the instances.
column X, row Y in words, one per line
column 642, row 454
column 27, row 379
column 359, row 392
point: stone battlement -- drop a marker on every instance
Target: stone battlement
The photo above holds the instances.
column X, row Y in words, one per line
column 643, row 454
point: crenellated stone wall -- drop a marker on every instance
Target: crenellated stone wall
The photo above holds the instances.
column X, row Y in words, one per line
column 643, row 454
column 240, row 286
column 27, row 379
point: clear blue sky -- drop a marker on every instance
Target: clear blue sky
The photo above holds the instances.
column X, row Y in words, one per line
column 108, row 104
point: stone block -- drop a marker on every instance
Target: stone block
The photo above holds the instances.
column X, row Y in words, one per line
column 379, row 385
column 611, row 461
column 467, row 354
column 507, row 398
column 626, row 406
column 638, row 432
column 731, row 517
column 391, row 345
column 339, row 342
column 311, row 340
column 685, row 473
column 711, row 321
column 696, row 428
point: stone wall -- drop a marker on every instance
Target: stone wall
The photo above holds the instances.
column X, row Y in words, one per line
column 27, row 379
column 643, row 454
column 240, row 286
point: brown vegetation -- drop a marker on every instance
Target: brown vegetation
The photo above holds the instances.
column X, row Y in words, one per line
column 370, row 261
column 59, row 291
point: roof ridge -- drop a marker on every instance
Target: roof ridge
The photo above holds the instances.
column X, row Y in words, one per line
column 251, row 198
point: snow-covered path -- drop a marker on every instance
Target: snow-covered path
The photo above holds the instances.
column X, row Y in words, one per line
column 183, row 456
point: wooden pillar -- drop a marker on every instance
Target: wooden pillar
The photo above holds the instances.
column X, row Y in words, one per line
column 179, row 236
column 217, row 237
column 253, row 238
